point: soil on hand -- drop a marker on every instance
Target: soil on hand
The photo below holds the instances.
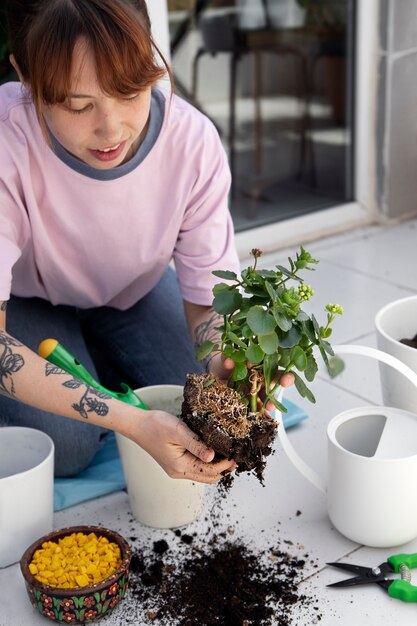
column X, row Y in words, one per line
column 410, row 342
column 220, row 418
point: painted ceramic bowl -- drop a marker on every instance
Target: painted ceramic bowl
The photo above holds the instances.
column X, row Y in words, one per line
column 78, row 605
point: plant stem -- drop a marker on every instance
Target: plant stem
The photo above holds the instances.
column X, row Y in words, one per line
column 253, row 378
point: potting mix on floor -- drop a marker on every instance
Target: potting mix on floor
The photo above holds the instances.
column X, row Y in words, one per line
column 217, row 578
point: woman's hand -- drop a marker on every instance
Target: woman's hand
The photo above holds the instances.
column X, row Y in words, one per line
column 222, row 367
column 177, row 449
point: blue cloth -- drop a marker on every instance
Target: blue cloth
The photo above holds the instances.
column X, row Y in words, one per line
column 105, row 475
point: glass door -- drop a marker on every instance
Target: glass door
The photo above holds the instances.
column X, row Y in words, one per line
column 276, row 79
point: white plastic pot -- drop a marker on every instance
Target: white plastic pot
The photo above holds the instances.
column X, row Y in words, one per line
column 396, row 321
column 26, row 490
column 156, row 499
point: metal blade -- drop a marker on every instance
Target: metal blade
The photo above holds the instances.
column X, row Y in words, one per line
column 350, row 582
column 349, row 567
column 365, row 575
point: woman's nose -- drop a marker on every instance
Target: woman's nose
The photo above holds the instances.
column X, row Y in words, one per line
column 109, row 126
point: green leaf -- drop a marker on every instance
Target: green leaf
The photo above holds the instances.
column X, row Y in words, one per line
column 299, row 358
column 225, row 274
column 270, row 368
column 277, row 404
column 240, row 315
column 205, row 349
column 316, row 327
column 267, row 274
column 324, row 356
column 256, row 290
column 268, row 342
column 284, row 271
column 260, row 321
column 311, row 369
column 227, row 301
column 254, row 353
column 336, row 366
column 285, row 359
column 308, row 327
column 246, row 332
column 302, row 316
column 291, row 339
column 327, row 347
column 236, row 339
column 302, row 388
column 282, row 321
column 239, row 371
column 220, row 287
column 238, row 356
column 272, row 293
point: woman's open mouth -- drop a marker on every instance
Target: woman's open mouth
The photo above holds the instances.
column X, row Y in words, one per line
column 109, row 153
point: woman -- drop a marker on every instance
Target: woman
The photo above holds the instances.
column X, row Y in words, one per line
column 105, row 179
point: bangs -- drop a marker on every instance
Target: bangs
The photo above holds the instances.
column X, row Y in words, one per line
column 115, row 32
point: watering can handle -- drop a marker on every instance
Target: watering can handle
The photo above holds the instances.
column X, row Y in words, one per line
column 373, row 353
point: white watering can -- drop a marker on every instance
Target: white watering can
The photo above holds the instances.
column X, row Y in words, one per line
column 372, row 466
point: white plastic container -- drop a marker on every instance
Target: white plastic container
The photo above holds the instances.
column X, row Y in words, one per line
column 156, row 499
column 395, row 321
column 372, row 468
column 26, row 490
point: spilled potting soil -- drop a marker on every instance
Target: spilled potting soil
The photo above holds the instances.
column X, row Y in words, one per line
column 215, row 579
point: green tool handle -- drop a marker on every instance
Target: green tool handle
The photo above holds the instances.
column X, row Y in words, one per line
column 56, row 354
column 403, row 559
column 403, row 589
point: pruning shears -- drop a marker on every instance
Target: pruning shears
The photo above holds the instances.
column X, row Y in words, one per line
column 400, row 588
column 56, row 354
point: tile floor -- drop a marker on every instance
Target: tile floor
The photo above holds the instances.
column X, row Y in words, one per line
column 362, row 270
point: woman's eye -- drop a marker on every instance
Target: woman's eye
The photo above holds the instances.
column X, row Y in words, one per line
column 79, row 111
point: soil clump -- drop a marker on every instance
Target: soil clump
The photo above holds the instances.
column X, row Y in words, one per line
column 222, row 420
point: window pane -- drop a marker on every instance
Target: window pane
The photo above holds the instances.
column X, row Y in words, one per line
column 275, row 77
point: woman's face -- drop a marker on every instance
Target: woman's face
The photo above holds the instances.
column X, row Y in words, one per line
column 100, row 130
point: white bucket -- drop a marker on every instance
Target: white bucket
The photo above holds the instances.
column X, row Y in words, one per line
column 396, row 321
column 156, row 499
column 26, row 490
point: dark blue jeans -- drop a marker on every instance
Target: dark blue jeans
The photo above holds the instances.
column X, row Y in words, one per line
column 148, row 344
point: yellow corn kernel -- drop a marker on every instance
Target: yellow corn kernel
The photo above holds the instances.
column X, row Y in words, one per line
column 82, row 580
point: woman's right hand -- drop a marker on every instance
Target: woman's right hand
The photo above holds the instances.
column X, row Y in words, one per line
column 176, row 448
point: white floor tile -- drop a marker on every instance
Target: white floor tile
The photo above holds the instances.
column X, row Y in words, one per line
column 363, row 270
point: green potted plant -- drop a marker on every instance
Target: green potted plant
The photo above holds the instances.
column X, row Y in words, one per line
column 265, row 331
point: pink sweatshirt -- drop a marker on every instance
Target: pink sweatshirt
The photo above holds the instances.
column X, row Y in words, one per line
column 75, row 235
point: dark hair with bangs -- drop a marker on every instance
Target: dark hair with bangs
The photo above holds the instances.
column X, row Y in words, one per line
column 43, row 34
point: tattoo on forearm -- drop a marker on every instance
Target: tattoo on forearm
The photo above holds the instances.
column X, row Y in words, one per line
column 208, row 331
column 3, row 305
column 88, row 402
column 10, row 363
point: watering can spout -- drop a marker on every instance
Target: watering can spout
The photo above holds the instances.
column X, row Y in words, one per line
column 373, row 353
